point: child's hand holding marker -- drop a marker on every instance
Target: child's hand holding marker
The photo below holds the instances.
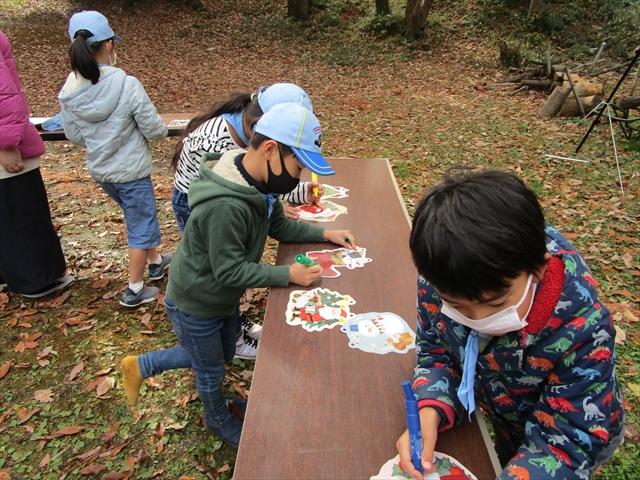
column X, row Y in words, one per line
column 314, row 192
column 341, row 237
column 305, row 271
column 429, row 422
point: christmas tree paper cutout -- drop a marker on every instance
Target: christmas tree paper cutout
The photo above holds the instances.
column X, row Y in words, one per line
column 318, row 309
column 334, row 192
column 330, row 260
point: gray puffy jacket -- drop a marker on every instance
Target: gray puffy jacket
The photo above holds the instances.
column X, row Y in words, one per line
column 113, row 119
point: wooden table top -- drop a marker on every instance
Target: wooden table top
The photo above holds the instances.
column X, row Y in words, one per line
column 318, row 408
column 167, row 118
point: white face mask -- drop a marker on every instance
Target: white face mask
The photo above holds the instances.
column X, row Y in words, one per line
column 115, row 58
column 499, row 323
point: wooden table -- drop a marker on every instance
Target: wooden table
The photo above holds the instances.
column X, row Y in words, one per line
column 167, row 118
column 318, row 408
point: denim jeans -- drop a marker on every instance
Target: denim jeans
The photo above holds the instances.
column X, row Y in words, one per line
column 180, row 204
column 205, row 345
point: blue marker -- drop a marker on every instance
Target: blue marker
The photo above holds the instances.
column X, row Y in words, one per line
column 413, row 423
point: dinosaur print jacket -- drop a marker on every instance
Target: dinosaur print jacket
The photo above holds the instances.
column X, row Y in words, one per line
column 550, row 387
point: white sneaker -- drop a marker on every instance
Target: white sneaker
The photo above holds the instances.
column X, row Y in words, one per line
column 252, row 329
column 246, row 347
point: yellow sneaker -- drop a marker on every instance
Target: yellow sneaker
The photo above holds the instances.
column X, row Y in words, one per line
column 131, row 379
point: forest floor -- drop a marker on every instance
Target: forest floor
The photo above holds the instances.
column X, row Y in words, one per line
column 63, row 412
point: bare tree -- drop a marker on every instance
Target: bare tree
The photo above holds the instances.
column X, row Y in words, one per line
column 416, row 15
column 382, row 7
column 534, row 7
column 298, row 9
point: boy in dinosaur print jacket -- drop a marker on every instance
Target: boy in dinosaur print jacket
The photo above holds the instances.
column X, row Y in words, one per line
column 509, row 317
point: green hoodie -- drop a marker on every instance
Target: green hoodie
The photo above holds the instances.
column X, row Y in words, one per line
column 219, row 255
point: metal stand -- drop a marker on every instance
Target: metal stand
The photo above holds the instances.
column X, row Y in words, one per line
column 606, row 105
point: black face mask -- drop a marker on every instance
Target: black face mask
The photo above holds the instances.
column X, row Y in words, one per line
column 283, row 183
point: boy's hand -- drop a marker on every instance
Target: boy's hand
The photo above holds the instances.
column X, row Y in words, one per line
column 302, row 275
column 291, row 211
column 311, row 198
column 340, row 237
column 429, row 420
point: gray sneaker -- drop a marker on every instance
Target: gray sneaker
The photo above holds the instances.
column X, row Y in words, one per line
column 146, row 295
column 156, row 270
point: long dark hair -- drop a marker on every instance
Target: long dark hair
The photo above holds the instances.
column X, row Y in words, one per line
column 82, row 56
column 235, row 102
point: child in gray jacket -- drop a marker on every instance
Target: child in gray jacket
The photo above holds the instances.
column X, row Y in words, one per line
column 109, row 113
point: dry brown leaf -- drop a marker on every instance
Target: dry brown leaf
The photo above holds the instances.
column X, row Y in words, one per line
column 76, row 370
column 93, row 469
column 4, row 475
column 4, row 415
column 157, row 472
column 620, row 335
column 224, row 468
column 65, row 431
column 44, row 396
column 13, row 322
column 20, row 347
column 111, row 432
column 151, row 382
column 26, row 313
column 113, row 476
column 103, row 282
column 4, row 369
column 94, row 383
column 146, row 318
column 131, row 463
column 159, row 446
column 627, row 258
column 159, row 430
column 4, row 298
column 109, row 295
column 104, row 371
column 111, row 453
column 105, row 386
column 24, row 415
column 45, row 460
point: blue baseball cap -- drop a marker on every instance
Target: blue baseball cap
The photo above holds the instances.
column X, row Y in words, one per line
column 270, row 96
column 298, row 128
column 95, row 23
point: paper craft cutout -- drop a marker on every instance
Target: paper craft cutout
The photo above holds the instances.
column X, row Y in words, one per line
column 324, row 211
column 318, row 309
column 330, row 260
column 334, row 192
column 379, row 333
column 178, row 123
column 448, row 469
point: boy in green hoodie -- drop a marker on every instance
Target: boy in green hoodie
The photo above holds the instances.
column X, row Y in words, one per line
column 234, row 208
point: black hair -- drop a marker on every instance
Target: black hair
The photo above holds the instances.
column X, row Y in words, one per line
column 476, row 231
column 258, row 139
column 82, row 56
column 235, row 102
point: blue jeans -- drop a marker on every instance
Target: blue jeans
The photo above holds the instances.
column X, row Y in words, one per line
column 205, row 345
column 180, row 204
column 138, row 202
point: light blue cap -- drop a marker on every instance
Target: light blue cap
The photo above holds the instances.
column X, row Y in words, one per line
column 298, row 128
column 95, row 23
column 270, row 96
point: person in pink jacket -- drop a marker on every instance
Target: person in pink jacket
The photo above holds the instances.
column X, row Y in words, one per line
column 31, row 258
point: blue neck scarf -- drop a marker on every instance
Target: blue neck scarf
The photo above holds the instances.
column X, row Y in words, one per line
column 235, row 120
column 271, row 199
column 466, row 390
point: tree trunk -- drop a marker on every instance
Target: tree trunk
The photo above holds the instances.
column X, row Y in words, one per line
column 570, row 107
column 555, row 101
column 298, row 9
column 540, row 83
column 416, row 15
column 535, row 6
column 382, row 7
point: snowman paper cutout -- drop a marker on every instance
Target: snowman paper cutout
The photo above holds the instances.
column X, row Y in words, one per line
column 318, row 309
column 447, row 468
column 334, row 192
column 323, row 211
column 330, row 260
column 379, row 333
